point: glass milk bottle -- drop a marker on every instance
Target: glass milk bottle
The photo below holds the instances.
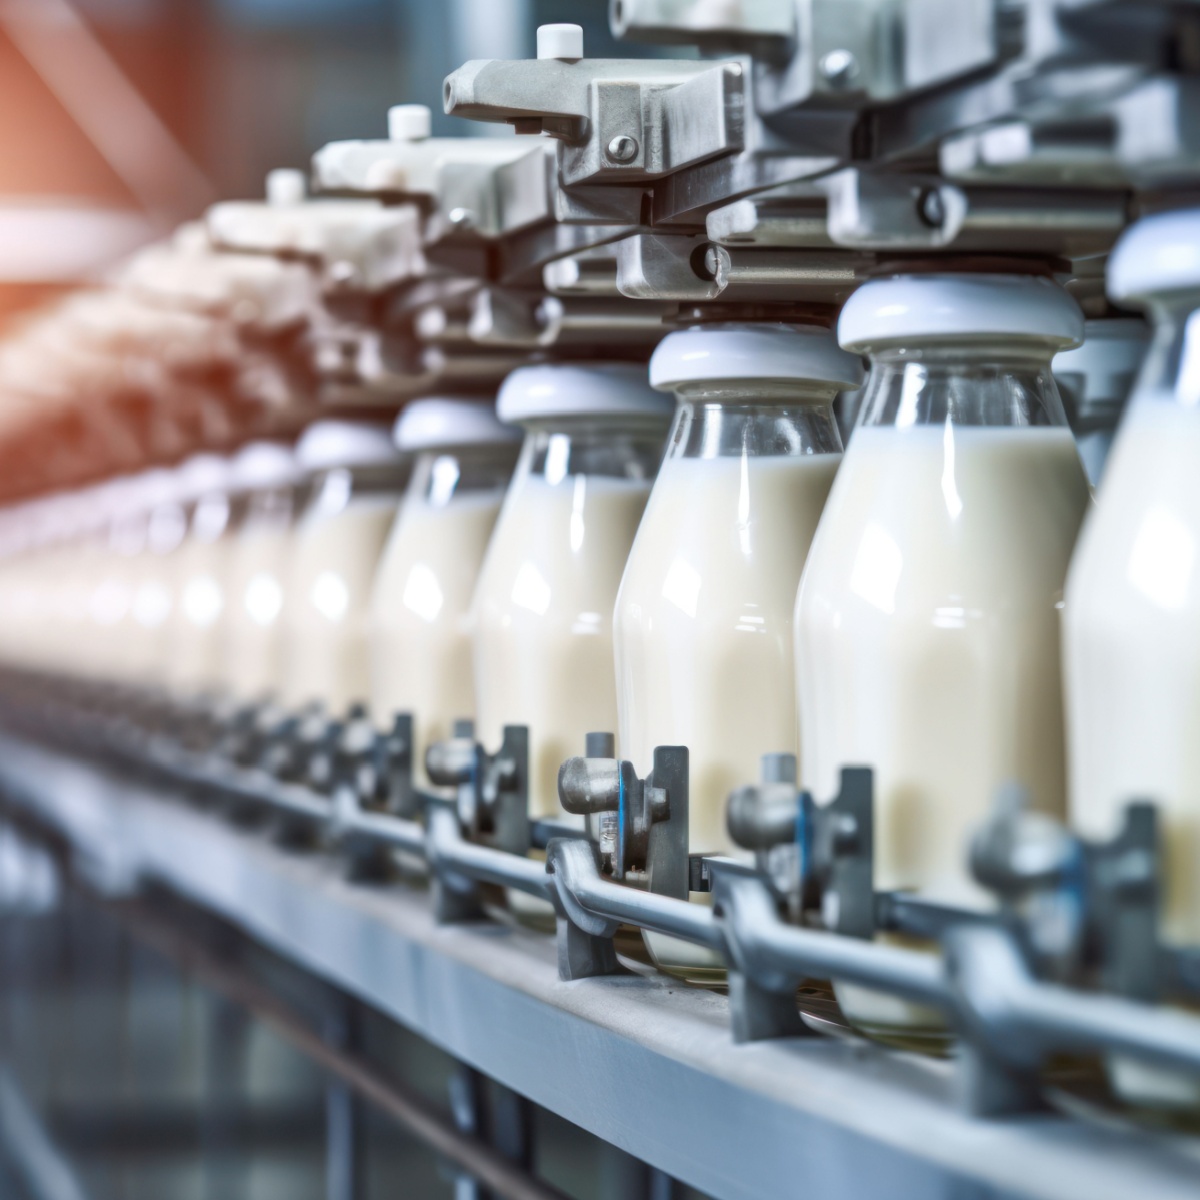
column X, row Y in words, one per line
column 267, row 477
column 421, row 600
column 202, row 576
column 703, row 620
column 146, row 538
column 1132, row 617
column 1095, row 379
column 358, row 478
column 927, row 620
column 543, row 648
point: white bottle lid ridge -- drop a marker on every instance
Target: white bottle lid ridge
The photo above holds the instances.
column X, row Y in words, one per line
column 327, row 445
column 1158, row 254
column 203, row 475
column 449, row 422
column 762, row 352
column 265, row 465
column 566, row 390
column 927, row 308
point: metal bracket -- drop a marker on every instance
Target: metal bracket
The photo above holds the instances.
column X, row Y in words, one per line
column 833, row 870
column 493, row 789
column 643, row 823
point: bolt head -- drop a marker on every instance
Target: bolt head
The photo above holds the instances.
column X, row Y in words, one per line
column 623, row 148
column 838, row 67
column 462, row 218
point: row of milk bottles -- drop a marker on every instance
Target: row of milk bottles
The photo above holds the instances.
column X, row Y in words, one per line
column 918, row 603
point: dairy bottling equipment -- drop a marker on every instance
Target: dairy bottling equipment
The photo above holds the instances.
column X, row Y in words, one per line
column 784, row 724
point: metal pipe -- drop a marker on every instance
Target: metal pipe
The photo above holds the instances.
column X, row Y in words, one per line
column 446, row 845
column 1015, row 1010
column 763, row 944
column 380, row 827
column 578, row 875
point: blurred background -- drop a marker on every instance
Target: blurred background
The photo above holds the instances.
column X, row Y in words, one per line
column 120, row 118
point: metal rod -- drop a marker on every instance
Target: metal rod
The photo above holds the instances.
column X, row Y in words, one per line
column 491, row 1169
column 29, row 1150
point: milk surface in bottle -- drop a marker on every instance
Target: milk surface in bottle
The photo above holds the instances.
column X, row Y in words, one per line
column 542, row 612
column 358, row 478
column 421, row 600
column 1095, row 380
column 197, row 628
column 927, row 619
column 703, row 620
column 1132, row 616
column 268, row 477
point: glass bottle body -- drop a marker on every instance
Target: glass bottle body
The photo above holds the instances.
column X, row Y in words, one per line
column 703, row 621
column 337, row 546
column 927, row 620
column 253, row 645
column 1131, row 648
column 542, row 612
column 421, row 598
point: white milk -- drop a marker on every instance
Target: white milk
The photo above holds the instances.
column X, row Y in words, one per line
column 703, row 623
column 927, row 635
column 259, row 562
column 1132, row 648
column 420, row 615
column 543, row 618
column 140, row 636
column 1132, row 661
column 1131, row 655
column 329, row 586
column 201, row 607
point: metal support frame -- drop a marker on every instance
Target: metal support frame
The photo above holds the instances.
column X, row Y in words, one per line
column 491, row 996
column 1008, row 1032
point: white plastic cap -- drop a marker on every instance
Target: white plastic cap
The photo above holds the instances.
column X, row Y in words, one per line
column 1101, row 371
column 329, row 444
column 919, row 308
column 409, row 122
column 560, row 41
column 544, row 392
column 285, row 187
column 202, row 475
column 446, row 423
column 778, row 353
column 263, row 465
column 149, row 489
column 1156, row 254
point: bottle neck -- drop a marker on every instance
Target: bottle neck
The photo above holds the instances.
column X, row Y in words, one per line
column 438, row 477
column 612, row 449
column 332, row 490
column 986, row 384
column 748, row 428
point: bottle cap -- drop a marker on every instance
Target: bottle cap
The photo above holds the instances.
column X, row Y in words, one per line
column 544, row 392
column 443, row 423
column 931, row 308
column 777, row 353
column 264, row 465
column 1157, row 254
column 330, row 444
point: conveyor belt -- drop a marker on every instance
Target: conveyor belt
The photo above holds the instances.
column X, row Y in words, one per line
column 641, row 1061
